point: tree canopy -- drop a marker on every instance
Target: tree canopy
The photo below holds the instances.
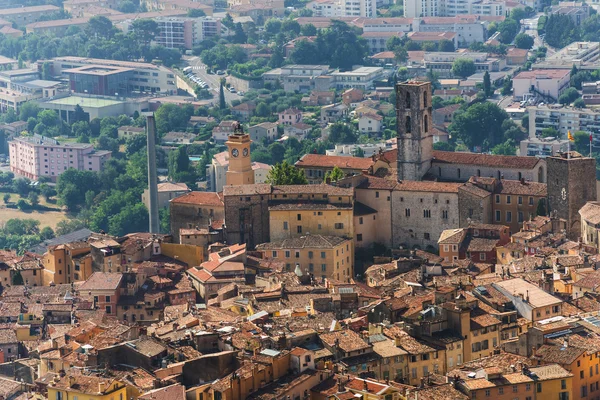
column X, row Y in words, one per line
column 286, row 174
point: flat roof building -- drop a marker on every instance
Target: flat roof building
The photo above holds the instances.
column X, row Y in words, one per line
column 37, row 156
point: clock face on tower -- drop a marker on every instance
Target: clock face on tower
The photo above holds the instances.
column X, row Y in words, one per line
column 235, row 152
column 563, row 193
column 245, row 152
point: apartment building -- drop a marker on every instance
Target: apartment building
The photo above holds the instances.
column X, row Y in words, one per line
column 322, row 256
column 545, row 83
column 577, row 11
column 343, row 8
column 469, row 28
column 564, row 119
column 26, row 15
column 542, row 147
column 37, row 156
column 423, row 8
column 184, row 33
column 112, row 76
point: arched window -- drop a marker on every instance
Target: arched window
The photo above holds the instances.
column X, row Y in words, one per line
column 478, row 172
column 458, row 172
column 407, row 100
column 499, row 175
column 425, row 124
column 425, row 99
column 408, row 125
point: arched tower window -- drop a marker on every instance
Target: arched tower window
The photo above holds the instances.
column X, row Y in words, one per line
column 408, row 124
column 425, row 124
column 425, row 99
column 407, row 100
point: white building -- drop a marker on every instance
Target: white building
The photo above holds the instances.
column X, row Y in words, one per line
column 360, row 78
column 216, row 172
column 542, row 147
column 564, row 119
column 343, row 8
column 584, row 55
column 469, row 28
column 264, row 130
column 370, row 123
column 140, row 77
column 543, row 83
column 423, row 8
column 36, row 156
column 370, row 149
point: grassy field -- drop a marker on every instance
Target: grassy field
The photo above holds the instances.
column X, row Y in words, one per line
column 46, row 218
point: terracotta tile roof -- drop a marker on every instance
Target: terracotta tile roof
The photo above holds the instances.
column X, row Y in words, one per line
column 8, row 336
column 348, row 340
column 200, row 198
column 549, row 372
column 247, row 190
column 591, row 212
column 172, row 187
column 324, row 161
column 481, row 319
column 481, row 244
column 452, row 236
column 428, row 186
column 84, row 384
column 440, row 392
column 543, row 73
column 173, row 392
column 558, row 355
column 102, row 281
column 517, row 162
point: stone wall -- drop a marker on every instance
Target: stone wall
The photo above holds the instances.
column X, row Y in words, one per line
column 474, row 208
column 417, row 229
column 577, row 176
column 462, row 172
column 247, row 219
column 192, row 215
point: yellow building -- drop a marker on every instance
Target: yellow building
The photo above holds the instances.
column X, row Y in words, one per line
column 301, row 213
column 88, row 387
column 551, row 381
column 240, row 170
column 580, row 359
column 67, row 263
column 29, row 327
column 322, row 256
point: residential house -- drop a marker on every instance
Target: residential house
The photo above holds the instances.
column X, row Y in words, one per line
column 516, row 56
column 244, row 111
column 316, row 98
column 333, row 113
column 477, row 242
column 222, row 131
column 353, row 96
column 290, row 116
column 370, row 123
column 104, row 289
column 298, row 131
column 264, row 130
column 126, row 132
column 88, row 386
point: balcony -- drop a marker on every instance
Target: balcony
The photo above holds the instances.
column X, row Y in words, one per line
column 30, row 319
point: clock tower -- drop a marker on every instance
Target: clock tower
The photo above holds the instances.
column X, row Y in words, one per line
column 571, row 184
column 240, row 167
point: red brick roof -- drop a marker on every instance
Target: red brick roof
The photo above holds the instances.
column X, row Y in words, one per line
column 200, row 198
column 323, row 161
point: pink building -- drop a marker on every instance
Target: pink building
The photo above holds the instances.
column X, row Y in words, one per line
column 36, row 156
column 290, row 116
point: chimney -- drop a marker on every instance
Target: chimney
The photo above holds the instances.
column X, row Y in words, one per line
column 71, row 381
column 522, row 181
column 101, row 386
column 366, row 387
column 340, row 385
column 152, row 178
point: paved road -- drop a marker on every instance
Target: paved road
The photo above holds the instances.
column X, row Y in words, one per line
column 213, row 80
column 529, row 26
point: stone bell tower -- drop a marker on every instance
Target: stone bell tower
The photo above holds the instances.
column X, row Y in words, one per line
column 414, row 129
column 240, row 167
